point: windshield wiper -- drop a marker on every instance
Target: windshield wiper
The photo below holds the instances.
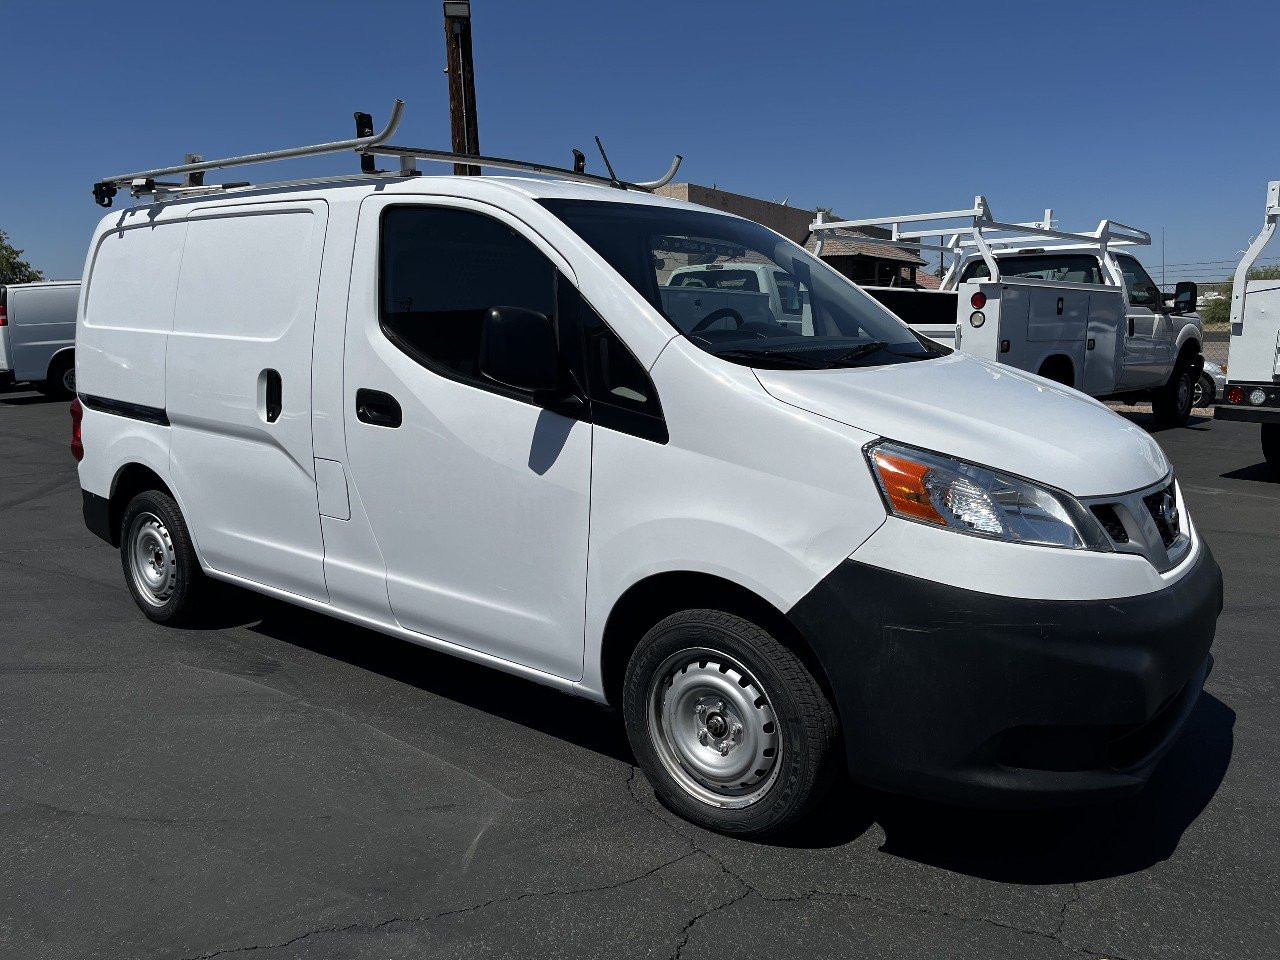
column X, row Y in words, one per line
column 779, row 355
column 860, row 351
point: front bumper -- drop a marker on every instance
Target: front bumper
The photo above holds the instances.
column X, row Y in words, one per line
column 985, row 700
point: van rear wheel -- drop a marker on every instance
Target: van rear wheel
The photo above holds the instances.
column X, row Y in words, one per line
column 730, row 727
column 61, row 380
column 159, row 561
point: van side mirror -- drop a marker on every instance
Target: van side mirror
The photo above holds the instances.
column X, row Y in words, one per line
column 518, row 349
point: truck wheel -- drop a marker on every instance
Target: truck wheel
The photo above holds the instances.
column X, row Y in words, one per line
column 730, row 727
column 1271, row 445
column 61, row 381
column 160, row 564
column 1171, row 404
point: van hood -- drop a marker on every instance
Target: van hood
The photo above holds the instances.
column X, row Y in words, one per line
column 986, row 413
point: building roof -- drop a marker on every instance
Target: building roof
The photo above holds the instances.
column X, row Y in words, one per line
column 927, row 281
column 846, row 243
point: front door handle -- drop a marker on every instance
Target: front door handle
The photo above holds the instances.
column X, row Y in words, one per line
column 378, row 408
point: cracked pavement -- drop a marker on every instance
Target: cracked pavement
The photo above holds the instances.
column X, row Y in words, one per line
column 281, row 785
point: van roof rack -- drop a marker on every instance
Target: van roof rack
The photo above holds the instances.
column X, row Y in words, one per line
column 984, row 233
column 369, row 145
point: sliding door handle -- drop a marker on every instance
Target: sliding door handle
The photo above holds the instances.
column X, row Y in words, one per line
column 378, row 408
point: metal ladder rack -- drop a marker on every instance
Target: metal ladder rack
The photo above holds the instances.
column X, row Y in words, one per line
column 983, row 233
column 368, row 145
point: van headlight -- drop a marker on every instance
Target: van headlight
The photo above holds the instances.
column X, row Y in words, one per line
column 964, row 497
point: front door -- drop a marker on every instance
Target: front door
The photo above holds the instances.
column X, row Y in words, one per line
column 477, row 494
column 1144, row 355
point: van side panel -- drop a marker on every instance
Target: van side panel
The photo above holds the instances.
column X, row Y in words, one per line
column 241, row 450
column 128, row 311
column 42, row 322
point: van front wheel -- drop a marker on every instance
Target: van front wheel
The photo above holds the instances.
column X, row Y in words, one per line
column 730, row 727
column 159, row 561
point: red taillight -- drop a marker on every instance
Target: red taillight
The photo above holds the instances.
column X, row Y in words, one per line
column 4, row 315
column 979, row 300
column 1235, row 395
column 77, row 442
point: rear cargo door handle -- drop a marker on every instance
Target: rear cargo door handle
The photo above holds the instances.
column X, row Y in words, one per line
column 273, row 395
column 378, row 408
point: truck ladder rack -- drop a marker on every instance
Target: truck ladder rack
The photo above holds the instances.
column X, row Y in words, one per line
column 983, row 233
column 370, row 145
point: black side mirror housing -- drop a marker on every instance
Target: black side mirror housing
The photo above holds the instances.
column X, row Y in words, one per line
column 518, row 349
column 1185, row 295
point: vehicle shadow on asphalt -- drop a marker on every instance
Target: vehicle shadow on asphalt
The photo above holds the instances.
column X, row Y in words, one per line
column 1147, row 421
column 27, row 399
column 1029, row 847
column 1076, row 844
column 1258, row 473
column 571, row 719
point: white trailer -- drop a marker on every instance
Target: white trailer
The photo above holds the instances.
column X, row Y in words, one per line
column 1078, row 309
column 1252, row 392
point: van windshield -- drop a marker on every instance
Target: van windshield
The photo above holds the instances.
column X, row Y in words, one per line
column 740, row 291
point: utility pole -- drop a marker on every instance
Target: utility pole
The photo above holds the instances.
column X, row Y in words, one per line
column 462, row 83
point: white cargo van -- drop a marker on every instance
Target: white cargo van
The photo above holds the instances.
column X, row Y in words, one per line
column 1252, row 391
column 38, row 335
column 1077, row 308
column 455, row 410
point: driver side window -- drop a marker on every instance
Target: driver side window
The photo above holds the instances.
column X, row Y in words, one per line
column 1142, row 290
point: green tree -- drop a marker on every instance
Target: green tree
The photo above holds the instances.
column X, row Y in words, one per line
column 1218, row 311
column 13, row 269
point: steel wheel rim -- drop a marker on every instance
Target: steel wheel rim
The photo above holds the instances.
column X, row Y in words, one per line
column 713, row 728
column 69, row 380
column 153, row 563
column 1200, row 393
column 1184, row 393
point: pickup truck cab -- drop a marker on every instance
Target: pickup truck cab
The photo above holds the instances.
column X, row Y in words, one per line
column 712, row 296
column 457, row 410
column 1084, row 314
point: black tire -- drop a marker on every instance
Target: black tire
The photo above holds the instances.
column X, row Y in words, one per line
column 1171, row 404
column 1271, row 445
column 61, row 382
column 792, row 717
column 175, row 591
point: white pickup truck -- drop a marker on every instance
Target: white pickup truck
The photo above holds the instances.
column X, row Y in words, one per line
column 1252, row 392
column 714, row 296
column 1076, row 310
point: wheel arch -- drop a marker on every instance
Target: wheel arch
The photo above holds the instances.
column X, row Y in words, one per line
column 130, row 480
column 1060, row 368
column 60, row 355
column 659, row 595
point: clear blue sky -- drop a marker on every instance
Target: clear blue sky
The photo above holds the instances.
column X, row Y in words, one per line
column 1160, row 114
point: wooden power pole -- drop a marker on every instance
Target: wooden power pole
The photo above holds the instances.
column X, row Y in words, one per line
column 462, row 83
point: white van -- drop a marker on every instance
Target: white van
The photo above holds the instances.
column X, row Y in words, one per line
column 38, row 335
column 452, row 409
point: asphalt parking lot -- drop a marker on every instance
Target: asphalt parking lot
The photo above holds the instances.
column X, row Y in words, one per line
column 280, row 785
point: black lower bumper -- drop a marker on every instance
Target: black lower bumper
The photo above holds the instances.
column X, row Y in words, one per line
column 1247, row 414
column 973, row 698
column 97, row 516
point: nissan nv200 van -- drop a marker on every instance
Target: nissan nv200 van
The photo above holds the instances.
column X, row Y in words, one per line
column 466, row 412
